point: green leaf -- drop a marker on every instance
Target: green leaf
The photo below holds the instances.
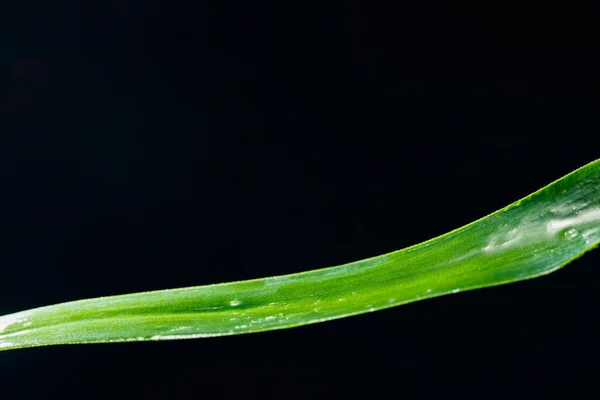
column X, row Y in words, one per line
column 529, row 238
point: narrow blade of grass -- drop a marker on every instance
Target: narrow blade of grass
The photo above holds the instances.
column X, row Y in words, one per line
column 529, row 238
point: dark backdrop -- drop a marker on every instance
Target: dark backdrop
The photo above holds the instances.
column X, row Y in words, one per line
column 148, row 145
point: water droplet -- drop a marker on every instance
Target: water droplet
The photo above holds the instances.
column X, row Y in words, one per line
column 269, row 318
column 235, row 303
column 571, row 233
column 456, row 291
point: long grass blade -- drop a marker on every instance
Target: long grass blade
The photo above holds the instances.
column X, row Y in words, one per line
column 529, row 238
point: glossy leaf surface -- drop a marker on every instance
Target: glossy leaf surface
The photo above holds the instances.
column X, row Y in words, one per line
column 529, row 238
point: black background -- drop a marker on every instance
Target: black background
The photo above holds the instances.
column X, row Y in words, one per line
column 149, row 145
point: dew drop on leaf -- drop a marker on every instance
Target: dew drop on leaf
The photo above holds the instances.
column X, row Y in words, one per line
column 571, row 233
